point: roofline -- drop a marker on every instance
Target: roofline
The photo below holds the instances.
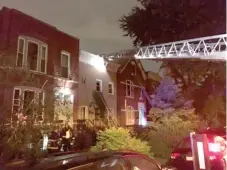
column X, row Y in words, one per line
column 45, row 23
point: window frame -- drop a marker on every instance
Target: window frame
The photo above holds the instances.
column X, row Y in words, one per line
column 131, row 88
column 134, row 68
column 85, row 113
column 22, row 90
column 18, row 49
column 46, row 56
column 19, row 100
column 38, row 54
column 69, row 64
column 130, row 121
column 141, row 94
column 40, row 44
column 112, row 87
column 100, row 82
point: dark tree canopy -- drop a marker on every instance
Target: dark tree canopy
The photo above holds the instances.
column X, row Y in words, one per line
column 159, row 21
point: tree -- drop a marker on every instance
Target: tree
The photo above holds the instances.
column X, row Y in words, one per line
column 115, row 139
column 166, row 21
column 215, row 111
column 169, row 95
column 21, row 131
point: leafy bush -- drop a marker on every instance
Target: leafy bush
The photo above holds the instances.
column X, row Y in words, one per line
column 120, row 139
column 164, row 134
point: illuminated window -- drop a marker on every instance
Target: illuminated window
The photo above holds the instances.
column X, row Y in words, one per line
column 64, row 96
column 129, row 88
column 130, row 115
column 32, row 54
column 141, row 93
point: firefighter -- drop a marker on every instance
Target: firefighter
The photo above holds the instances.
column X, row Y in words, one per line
column 66, row 135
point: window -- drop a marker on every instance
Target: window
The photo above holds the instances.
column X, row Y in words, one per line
column 141, row 93
column 129, row 88
column 41, row 100
column 32, row 54
column 64, row 96
column 20, row 52
column 16, row 100
column 133, row 68
column 141, row 163
column 65, row 64
column 29, row 102
column 83, row 113
column 111, row 88
column 130, row 115
column 99, row 85
column 29, row 97
column 43, row 59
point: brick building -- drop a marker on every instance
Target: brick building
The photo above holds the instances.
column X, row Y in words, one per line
column 48, row 57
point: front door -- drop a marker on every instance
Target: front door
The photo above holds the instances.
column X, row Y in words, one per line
column 142, row 118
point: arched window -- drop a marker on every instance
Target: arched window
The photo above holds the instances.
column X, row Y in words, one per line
column 129, row 88
column 130, row 115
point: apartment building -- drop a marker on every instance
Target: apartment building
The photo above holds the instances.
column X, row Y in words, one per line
column 97, row 88
column 134, row 87
column 40, row 65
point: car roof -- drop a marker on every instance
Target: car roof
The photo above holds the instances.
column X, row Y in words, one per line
column 214, row 131
column 78, row 159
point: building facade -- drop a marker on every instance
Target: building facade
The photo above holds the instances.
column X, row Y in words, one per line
column 97, row 89
column 131, row 104
column 44, row 67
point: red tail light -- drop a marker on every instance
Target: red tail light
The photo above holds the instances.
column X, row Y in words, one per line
column 214, row 147
column 175, row 155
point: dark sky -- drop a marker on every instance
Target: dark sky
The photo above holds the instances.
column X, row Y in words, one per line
column 94, row 22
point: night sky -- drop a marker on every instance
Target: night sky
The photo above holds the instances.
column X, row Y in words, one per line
column 94, row 22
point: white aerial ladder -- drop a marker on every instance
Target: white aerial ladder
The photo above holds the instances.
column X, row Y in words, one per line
column 208, row 48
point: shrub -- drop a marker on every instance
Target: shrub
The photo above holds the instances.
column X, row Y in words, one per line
column 120, row 139
column 164, row 134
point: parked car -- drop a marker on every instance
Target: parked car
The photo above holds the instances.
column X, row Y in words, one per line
column 182, row 159
column 94, row 161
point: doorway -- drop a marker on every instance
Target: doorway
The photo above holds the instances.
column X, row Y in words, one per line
column 142, row 117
